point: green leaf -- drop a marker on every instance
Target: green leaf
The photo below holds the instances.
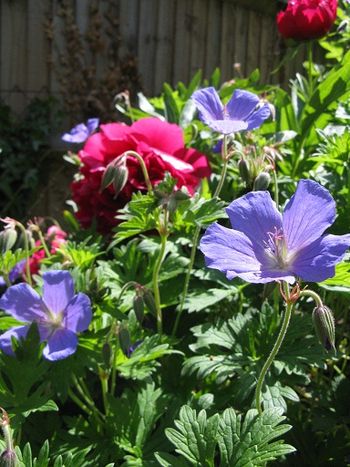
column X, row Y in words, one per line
column 172, row 112
column 319, row 110
column 340, row 282
column 167, row 460
column 249, row 443
column 201, row 301
column 195, row 436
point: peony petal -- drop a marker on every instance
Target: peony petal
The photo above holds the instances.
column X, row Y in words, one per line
column 61, row 344
column 241, row 104
column 208, row 104
column 23, row 303
column 18, row 333
column 255, row 215
column 58, row 290
column 164, row 136
column 307, row 215
column 316, row 262
column 78, row 313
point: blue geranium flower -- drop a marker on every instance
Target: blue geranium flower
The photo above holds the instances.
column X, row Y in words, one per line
column 264, row 246
column 59, row 314
column 81, row 132
column 244, row 111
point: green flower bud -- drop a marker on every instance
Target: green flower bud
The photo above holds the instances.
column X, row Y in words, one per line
column 149, row 301
column 243, row 168
column 262, row 181
column 8, row 238
column 106, row 354
column 139, row 307
column 116, row 173
column 323, row 320
column 124, row 339
column 8, row 458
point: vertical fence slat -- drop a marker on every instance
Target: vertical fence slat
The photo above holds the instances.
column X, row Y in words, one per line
column 227, row 45
column 213, row 43
column 183, row 28
column 147, row 43
column 128, row 27
column 14, row 53
column 165, row 45
column 199, row 35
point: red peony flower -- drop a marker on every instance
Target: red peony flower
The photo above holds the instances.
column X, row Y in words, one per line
column 160, row 144
column 307, row 19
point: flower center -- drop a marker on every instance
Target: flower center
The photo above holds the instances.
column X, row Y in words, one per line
column 276, row 248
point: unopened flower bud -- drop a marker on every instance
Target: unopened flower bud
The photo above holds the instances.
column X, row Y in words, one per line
column 149, row 301
column 243, row 168
column 8, row 238
column 323, row 320
column 124, row 339
column 8, row 458
column 116, row 173
column 139, row 307
column 262, row 181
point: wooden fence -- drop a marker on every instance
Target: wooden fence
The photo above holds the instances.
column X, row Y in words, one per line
column 169, row 39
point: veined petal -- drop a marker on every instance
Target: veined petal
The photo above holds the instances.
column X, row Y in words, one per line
column 23, row 303
column 78, row 313
column 241, row 104
column 227, row 127
column 307, row 215
column 264, row 276
column 58, row 290
column 229, row 251
column 255, row 215
column 316, row 262
column 19, row 332
column 257, row 117
column 61, row 344
column 208, row 104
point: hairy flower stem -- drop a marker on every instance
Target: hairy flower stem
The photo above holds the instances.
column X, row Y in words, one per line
column 43, row 242
column 155, row 281
column 313, row 295
column 225, row 159
column 275, row 350
column 275, row 181
column 143, row 167
column 104, row 389
column 26, row 248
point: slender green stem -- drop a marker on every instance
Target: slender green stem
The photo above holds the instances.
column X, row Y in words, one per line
column 79, row 403
column 26, row 247
column 104, row 388
column 43, row 242
column 275, row 181
column 310, row 67
column 143, row 167
column 125, row 288
column 274, row 351
column 155, row 281
column 313, row 295
column 197, row 231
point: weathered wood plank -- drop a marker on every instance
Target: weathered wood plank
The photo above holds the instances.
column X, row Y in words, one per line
column 199, row 35
column 128, row 27
column 253, row 45
column 14, row 53
column 147, row 42
column 227, row 45
column 183, row 30
column 165, row 44
column 214, row 41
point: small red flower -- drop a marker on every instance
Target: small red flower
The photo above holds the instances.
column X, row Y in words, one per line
column 160, row 144
column 307, row 19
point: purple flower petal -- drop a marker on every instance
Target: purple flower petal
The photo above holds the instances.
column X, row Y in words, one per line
column 78, row 313
column 61, row 344
column 316, row 262
column 257, row 118
column 58, row 290
column 17, row 270
column 255, row 215
column 208, row 104
column 308, row 214
column 241, row 104
column 229, row 251
column 92, row 124
column 227, row 127
column 23, row 303
column 78, row 134
column 18, row 333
